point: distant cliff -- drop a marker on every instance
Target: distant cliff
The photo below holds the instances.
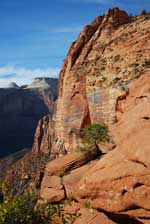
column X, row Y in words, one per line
column 20, row 110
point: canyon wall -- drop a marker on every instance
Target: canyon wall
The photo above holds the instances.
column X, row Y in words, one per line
column 105, row 77
column 101, row 65
column 116, row 184
column 21, row 109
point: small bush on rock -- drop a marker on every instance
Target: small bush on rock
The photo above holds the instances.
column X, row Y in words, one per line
column 95, row 133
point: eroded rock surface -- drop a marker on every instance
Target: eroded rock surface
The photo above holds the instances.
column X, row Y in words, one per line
column 116, row 187
column 105, row 78
column 120, row 181
column 108, row 56
column 62, row 174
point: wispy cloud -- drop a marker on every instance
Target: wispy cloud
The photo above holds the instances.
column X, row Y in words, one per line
column 65, row 29
column 22, row 75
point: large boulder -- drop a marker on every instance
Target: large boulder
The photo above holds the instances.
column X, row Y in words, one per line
column 62, row 175
column 90, row 216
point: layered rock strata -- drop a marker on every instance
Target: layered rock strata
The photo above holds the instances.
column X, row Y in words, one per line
column 21, row 109
column 106, row 77
column 108, row 56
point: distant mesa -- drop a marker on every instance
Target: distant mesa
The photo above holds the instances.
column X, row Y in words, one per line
column 21, row 109
column 42, row 82
column 13, row 85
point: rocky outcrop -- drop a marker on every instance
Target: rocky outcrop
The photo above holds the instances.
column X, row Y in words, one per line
column 88, row 216
column 101, row 65
column 44, row 135
column 105, row 77
column 21, row 109
column 120, row 181
column 56, row 184
column 116, row 186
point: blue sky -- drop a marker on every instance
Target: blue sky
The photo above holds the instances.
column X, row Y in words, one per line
column 35, row 35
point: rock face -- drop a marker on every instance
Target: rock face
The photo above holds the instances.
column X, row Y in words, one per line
column 54, row 186
column 105, row 77
column 21, row 109
column 119, row 183
column 128, row 183
column 44, row 135
column 108, row 56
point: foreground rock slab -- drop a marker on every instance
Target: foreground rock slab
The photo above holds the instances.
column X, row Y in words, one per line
column 62, row 175
column 71, row 161
column 92, row 217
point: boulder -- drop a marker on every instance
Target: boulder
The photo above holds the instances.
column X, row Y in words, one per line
column 90, row 216
column 71, row 161
column 52, row 195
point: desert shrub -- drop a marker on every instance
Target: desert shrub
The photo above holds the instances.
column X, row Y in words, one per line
column 45, row 212
column 16, row 210
column 23, row 210
column 146, row 63
column 115, row 80
column 82, row 149
column 21, row 174
column 48, row 213
column 20, row 209
column 95, row 133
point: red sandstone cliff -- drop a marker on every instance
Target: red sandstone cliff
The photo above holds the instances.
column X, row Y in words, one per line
column 108, row 56
column 105, row 77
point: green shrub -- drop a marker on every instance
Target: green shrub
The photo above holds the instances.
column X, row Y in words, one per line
column 82, row 149
column 95, row 133
column 45, row 212
column 17, row 210
column 20, row 210
column 23, row 210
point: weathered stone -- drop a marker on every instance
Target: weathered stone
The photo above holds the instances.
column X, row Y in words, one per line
column 139, row 214
column 44, row 135
column 105, row 78
column 52, row 194
column 52, row 182
column 90, row 216
column 100, row 67
column 72, row 208
column 71, row 180
column 121, row 180
column 70, row 161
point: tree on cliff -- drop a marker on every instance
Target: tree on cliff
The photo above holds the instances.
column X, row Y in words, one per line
column 95, row 133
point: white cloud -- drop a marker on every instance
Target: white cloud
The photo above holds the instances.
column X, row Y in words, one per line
column 65, row 29
column 22, row 75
